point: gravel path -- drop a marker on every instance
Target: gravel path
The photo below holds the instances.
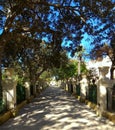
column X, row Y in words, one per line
column 56, row 109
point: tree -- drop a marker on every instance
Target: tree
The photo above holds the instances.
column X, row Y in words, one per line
column 69, row 70
column 33, row 56
column 58, row 20
column 73, row 18
column 100, row 51
column 65, row 71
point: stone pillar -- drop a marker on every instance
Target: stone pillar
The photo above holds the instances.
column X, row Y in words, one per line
column 109, row 94
column 69, row 85
column 27, row 89
column 84, row 87
column 74, row 85
column 9, row 87
column 66, row 85
column 103, row 84
column 62, row 84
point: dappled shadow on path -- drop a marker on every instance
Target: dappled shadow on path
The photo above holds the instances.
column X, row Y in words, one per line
column 56, row 109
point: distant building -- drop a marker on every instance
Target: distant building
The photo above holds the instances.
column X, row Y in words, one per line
column 94, row 64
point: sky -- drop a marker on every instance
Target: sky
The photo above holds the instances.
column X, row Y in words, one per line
column 85, row 41
column 0, row 31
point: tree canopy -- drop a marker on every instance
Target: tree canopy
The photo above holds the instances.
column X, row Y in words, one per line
column 24, row 23
column 59, row 18
column 69, row 70
column 101, row 50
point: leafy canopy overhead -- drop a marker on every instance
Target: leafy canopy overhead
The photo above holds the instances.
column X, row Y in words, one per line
column 68, row 20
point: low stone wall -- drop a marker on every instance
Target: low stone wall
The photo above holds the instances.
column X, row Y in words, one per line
column 14, row 112
column 103, row 94
column 107, row 114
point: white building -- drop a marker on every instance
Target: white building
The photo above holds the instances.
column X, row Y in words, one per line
column 96, row 64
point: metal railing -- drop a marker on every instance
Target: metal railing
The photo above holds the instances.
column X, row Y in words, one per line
column 78, row 90
column 92, row 93
column 20, row 93
column 3, row 104
column 113, row 99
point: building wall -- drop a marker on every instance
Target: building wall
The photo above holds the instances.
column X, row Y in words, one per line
column 95, row 64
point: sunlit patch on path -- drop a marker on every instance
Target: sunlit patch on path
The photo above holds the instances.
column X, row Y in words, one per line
column 55, row 109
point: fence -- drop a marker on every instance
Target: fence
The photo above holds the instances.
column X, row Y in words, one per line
column 3, row 104
column 78, row 89
column 31, row 90
column 20, row 93
column 113, row 99
column 17, row 91
column 91, row 94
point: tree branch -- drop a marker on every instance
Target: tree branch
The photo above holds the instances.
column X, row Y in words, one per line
column 54, row 5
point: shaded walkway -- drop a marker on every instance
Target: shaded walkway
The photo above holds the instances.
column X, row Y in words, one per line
column 55, row 109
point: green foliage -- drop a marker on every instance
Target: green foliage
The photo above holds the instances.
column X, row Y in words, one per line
column 102, row 50
column 69, row 70
column 83, row 68
column 49, row 17
column 3, row 106
column 25, row 22
column 31, row 56
column 46, row 75
column 21, row 80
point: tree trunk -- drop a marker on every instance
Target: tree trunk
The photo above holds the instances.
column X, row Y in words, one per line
column 112, row 72
column 2, row 44
column 1, row 90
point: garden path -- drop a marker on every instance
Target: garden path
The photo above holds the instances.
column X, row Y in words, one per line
column 56, row 109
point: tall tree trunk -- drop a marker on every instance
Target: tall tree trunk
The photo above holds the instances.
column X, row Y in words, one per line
column 2, row 44
column 112, row 71
column 1, row 90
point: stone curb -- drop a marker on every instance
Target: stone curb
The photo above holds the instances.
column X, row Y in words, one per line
column 14, row 112
column 108, row 115
column 5, row 117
